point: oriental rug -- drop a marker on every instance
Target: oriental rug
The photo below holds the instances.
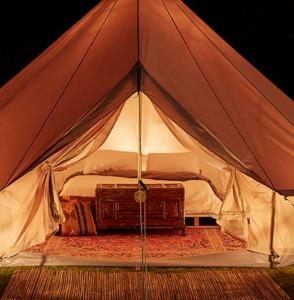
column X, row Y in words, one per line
column 127, row 245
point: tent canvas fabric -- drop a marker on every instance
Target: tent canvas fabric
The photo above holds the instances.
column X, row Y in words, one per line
column 62, row 107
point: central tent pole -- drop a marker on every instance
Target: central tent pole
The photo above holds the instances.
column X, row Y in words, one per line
column 140, row 195
column 139, row 136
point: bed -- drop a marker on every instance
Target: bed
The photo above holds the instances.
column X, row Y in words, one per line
column 200, row 199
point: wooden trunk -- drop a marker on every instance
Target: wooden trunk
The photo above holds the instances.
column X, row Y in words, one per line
column 116, row 207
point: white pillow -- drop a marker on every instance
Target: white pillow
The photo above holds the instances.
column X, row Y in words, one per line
column 173, row 162
column 107, row 160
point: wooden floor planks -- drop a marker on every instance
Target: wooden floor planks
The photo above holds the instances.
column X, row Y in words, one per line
column 209, row 284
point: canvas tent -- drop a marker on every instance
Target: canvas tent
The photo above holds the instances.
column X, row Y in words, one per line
column 62, row 107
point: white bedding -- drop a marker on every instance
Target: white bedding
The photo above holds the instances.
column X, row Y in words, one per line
column 199, row 197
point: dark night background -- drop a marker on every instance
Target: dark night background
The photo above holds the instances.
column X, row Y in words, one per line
column 262, row 31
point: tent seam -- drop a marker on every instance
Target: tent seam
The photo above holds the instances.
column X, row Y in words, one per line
column 226, row 57
column 138, row 30
column 63, row 92
column 138, row 63
column 199, row 67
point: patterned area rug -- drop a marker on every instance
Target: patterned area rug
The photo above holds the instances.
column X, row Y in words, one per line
column 160, row 244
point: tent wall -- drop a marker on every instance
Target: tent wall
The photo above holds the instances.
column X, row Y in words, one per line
column 258, row 215
column 267, row 212
column 25, row 212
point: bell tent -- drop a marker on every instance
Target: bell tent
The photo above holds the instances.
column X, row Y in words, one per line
column 196, row 95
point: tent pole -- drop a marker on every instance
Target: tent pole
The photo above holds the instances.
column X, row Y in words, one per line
column 139, row 78
column 139, row 136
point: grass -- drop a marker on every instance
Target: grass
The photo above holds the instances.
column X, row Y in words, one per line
column 5, row 274
column 284, row 277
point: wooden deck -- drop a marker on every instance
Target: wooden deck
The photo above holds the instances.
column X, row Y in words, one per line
column 209, row 284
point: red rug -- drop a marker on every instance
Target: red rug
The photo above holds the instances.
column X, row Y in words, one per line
column 160, row 244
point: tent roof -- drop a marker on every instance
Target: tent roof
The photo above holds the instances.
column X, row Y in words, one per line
column 189, row 72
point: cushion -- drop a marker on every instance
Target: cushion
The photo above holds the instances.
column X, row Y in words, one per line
column 173, row 162
column 85, row 218
column 106, row 160
column 78, row 218
column 71, row 225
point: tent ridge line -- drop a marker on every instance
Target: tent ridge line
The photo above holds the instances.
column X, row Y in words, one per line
column 226, row 57
column 215, row 94
column 242, row 169
column 60, row 97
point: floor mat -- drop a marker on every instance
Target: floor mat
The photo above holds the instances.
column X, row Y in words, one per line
column 208, row 284
column 160, row 244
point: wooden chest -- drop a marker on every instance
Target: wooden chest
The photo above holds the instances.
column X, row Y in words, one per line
column 116, row 208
